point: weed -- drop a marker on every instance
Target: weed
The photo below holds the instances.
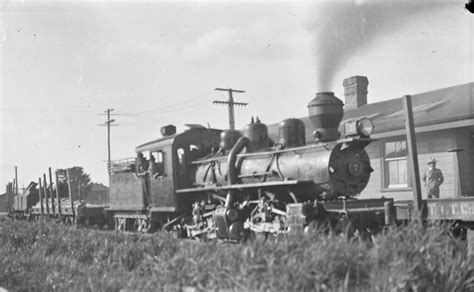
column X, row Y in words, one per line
column 49, row 256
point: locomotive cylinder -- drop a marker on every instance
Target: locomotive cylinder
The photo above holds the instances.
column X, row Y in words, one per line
column 325, row 113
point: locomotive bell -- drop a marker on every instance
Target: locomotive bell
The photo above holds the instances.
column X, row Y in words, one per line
column 257, row 133
column 291, row 133
column 325, row 113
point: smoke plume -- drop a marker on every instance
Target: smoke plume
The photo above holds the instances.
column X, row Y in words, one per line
column 345, row 28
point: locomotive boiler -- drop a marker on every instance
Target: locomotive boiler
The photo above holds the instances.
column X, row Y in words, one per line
column 228, row 184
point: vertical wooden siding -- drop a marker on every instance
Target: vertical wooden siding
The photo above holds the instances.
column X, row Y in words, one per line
column 433, row 144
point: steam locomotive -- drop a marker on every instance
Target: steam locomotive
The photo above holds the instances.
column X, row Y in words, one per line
column 208, row 183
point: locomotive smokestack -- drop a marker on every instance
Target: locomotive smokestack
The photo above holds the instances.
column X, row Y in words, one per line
column 355, row 91
column 325, row 113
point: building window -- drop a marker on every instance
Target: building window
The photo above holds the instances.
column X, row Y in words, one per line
column 396, row 165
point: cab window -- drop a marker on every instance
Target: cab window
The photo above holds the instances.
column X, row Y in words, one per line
column 159, row 159
column 180, row 152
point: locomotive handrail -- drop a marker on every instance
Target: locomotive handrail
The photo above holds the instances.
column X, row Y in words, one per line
column 255, row 174
column 324, row 145
column 244, row 186
column 123, row 160
column 119, row 165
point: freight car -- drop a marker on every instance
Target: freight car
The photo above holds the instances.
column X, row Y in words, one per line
column 32, row 204
column 228, row 184
column 23, row 202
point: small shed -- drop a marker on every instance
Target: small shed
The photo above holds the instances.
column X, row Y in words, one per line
column 98, row 194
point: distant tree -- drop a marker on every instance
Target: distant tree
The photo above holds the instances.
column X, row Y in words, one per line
column 80, row 182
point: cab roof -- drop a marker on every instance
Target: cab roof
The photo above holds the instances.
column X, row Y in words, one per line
column 177, row 138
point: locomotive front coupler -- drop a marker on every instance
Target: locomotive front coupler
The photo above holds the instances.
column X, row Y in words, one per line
column 365, row 214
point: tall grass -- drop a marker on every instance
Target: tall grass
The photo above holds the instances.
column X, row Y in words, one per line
column 48, row 256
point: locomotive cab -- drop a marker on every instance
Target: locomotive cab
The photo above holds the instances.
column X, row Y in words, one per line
column 172, row 155
column 143, row 190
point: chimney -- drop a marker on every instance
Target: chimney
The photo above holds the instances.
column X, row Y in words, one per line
column 355, row 91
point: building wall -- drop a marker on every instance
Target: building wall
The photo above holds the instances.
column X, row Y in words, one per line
column 465, row 138
column 433, row 144
column 97, row 197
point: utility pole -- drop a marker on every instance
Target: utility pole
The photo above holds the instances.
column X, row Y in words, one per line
column 108, row 124
column 413, row 157
column 230, row 103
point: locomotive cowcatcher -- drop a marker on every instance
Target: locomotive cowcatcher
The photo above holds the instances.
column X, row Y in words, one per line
column 208, row 183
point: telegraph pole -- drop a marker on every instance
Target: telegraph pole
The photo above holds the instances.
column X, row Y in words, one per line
column 230, row 103
column 413, row 157
column 108, row 124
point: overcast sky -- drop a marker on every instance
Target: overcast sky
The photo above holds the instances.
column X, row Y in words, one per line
column 157, row 63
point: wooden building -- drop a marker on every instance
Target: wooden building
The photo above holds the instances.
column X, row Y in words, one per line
column 98, row 194
column 444, row 126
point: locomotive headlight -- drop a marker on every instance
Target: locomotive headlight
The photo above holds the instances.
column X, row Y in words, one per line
column 365, row 127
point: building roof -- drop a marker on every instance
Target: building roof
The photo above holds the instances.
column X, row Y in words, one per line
column 444, row 105
column 97, row 187
column 452, row 107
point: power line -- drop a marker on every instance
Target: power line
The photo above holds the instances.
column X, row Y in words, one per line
column 169, row 109
column 188, row 102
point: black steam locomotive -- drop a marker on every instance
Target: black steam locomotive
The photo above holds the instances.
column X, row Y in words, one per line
column 226, row 184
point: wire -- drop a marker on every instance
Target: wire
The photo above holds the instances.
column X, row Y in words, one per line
column 184, row 101
column 162, row 111
column 47, row 110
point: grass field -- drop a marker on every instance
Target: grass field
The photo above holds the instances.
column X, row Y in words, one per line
column 48, row 256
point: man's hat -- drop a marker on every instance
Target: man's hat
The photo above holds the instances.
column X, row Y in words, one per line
column 432, row 160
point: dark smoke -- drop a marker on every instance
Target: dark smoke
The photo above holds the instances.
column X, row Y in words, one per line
column 345, row 28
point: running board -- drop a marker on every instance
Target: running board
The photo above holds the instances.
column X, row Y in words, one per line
column 245, row 186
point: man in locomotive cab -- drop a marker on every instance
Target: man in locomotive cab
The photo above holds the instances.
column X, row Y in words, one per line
column 141, row 164
column 153, row 167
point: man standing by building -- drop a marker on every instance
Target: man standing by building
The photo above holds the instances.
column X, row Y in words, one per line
column 433, row 178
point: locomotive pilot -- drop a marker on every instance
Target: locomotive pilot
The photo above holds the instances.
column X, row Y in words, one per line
column 433, row 178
